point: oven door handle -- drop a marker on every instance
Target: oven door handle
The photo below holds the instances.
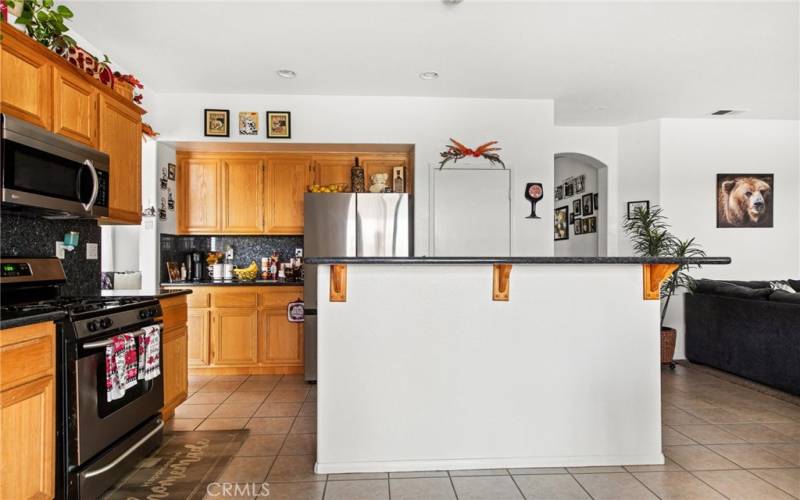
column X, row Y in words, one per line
column 127, row 452
column 95, row 345
column 95, row 186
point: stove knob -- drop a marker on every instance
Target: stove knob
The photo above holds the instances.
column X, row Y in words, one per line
column 142, row 314
column 105, row 322
column 92, row 326
column 151, row 312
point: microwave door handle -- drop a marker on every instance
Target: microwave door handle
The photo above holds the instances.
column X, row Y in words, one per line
column 95, row 186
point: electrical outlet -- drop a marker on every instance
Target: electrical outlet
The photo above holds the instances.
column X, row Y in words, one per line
column 91, row 251
column 60, row 249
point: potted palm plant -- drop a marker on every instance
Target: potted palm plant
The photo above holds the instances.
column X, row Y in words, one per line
column 650, row 234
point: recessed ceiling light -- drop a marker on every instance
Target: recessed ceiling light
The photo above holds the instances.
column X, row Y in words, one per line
column 429, row 75
column 286, row 73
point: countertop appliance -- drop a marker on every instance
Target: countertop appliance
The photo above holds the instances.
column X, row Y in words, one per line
column 48, row 173
column 471, row 212
column 98, row 442
column 350, row 225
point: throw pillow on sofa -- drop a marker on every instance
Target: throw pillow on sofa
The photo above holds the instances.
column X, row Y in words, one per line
column 729, row 289
column 784, row 296
column 794, row 284
column 780, row 285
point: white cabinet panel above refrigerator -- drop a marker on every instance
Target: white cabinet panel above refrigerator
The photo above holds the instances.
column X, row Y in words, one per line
column 471, row 212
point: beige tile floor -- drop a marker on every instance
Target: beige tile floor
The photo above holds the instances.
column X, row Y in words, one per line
column 721, row 440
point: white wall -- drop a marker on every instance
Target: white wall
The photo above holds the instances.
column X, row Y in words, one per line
column 602, row 144
column 578, row 245
column 523, row 127
column 692, row 153
column 638, row 172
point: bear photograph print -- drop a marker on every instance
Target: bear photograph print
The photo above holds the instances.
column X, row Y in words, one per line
column 744, row 200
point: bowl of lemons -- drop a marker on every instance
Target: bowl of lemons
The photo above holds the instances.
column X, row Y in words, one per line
column 327, row 188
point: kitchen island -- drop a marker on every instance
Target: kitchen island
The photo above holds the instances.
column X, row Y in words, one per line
column 466, row 363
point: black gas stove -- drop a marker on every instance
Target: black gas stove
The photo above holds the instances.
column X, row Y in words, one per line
column 99, row 439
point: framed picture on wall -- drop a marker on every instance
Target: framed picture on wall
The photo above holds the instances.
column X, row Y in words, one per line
column 569, row 188
column 634, row 206
column 561, row 223
column 744, row 200
column 576, row 207
column 577, row 226
column 596, row 201
column 217, row 123
column 559, row 192
column 248, row 123
column 584, row 226
column 580, row 184
column 592, row 224
column 588, row 204
column 279, row 125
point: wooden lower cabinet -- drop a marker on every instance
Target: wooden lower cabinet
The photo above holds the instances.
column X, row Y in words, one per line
column 174, row 355
column 281, row 342
column 244, row 330
column 27, row 412
column 234, row 336
column 199, row 326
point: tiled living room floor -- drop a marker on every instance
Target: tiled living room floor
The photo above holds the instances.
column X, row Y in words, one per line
column 721, row 440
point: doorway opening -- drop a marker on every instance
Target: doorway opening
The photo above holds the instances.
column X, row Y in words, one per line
column 582, row 187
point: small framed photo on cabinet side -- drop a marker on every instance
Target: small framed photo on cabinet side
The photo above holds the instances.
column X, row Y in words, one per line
column 279, row 125
column 217, row 123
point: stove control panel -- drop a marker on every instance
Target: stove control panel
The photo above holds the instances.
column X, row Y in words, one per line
column 121, row 322
column 14, row 269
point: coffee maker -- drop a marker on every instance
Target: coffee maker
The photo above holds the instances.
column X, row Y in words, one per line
column 198, row 266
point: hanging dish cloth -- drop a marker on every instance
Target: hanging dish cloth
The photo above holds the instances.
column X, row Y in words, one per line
column 121, row 366
column 150, row 352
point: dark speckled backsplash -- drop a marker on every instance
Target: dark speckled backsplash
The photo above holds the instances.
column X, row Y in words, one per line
column 245, row 248
column 28, row 236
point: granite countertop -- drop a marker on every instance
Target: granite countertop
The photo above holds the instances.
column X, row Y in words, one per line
column 232, row 283
column 163, row 293
column 32, row 319
column 516, row 260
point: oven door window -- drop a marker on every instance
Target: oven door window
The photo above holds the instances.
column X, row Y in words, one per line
column 105, row 407
column 35, row 171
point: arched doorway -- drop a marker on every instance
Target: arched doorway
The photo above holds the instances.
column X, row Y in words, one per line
column 583, row 182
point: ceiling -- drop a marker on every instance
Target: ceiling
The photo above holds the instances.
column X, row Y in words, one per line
column 603, row 63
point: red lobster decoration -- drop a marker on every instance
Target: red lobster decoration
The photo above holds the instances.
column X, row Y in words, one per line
column 457, row 151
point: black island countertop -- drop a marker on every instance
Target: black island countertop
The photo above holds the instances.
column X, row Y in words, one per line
column 232, row 283
column 517, row 260
column 162, row 293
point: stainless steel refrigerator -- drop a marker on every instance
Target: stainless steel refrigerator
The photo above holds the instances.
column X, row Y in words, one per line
column 350, row 225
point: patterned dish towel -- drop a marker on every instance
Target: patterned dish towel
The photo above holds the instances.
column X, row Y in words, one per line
column 121, row 366
column 150, row 352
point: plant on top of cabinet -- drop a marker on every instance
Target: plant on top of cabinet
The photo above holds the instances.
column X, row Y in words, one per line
column 44, row 22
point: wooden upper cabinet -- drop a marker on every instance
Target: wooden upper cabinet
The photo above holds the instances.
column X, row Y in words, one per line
column 25, row 80
column 120, row 136
column 243, row 196
column 333, row 170
column 287, row 181
column 200, row 200
column 384, row 165
column 74, row 107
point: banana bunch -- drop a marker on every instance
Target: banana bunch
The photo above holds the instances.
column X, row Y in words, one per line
column 248, row 273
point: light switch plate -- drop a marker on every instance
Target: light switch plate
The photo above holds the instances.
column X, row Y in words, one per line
column 298, row 252
column 91, row 251
column 60, row 249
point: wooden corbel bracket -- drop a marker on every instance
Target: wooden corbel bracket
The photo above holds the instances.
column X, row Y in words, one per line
column 501, row 282
column 653, row 275
column 338, row 291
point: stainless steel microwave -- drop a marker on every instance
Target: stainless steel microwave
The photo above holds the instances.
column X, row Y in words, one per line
column 48, row 173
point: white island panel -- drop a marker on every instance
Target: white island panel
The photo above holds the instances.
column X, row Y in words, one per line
column 421, row 370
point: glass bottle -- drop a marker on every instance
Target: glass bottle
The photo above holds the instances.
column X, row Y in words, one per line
column 357, row 178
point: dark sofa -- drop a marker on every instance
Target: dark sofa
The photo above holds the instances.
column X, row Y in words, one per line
column 747, row 329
